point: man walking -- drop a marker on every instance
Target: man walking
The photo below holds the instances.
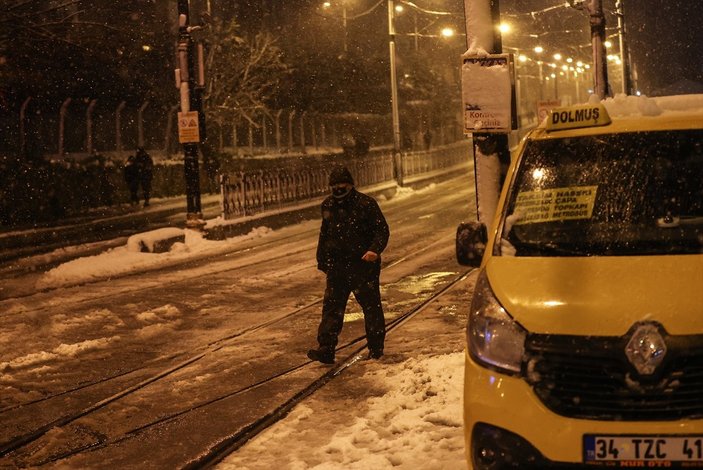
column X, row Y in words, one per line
column 352, row 236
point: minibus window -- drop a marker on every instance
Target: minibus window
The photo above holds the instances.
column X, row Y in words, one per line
column 607, row 195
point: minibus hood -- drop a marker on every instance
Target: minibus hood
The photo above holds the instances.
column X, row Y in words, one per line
column 601, row 296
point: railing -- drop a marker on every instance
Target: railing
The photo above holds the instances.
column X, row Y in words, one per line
column 247, row 193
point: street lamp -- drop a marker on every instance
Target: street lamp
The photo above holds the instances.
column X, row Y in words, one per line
column 448, row 32
column 327, row 5
column 397, row 163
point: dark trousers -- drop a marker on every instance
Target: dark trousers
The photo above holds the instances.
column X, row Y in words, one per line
column 365, row 286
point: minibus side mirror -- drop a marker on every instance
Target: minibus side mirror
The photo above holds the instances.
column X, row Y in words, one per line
column 471, row 240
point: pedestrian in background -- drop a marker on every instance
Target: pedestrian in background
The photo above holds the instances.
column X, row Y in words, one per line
column 146, row 173
column 353, row 234
column 131, row 177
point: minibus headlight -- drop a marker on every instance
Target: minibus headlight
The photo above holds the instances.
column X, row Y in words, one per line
column 494, row 338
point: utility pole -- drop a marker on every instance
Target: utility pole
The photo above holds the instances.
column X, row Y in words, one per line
column 624, row 52
column 491, row 150
column 594, row 8
column 397, row 157
column 597, row 20
column 191, row 121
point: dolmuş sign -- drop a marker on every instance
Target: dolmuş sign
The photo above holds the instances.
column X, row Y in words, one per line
column 487, row 93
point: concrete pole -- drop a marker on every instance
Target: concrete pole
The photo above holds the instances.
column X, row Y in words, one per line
column 600, row 64
column 397, row 157
column 191, row 99
column 118, row 126
column 89, row 126
column 140, row 124
column 23, row 130
column 491, row 151
column 303, row 149
column 278, row 129
column 62, row 125
column 624, row 52
column 291, row 116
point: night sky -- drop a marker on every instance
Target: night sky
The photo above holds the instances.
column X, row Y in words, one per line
column 665, row 36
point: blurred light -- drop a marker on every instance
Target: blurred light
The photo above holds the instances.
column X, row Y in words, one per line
column 579, row 64
column 637, row 93
column 539, row 49
column 538, row 173
column 557, row 56
column 587, row 66
column 569, row 60
column 553, row 76
column 608, row 44
column 448, row 32
column 565, row 67
column 146, row 47
column 326, row 5
column 553, row 65
column 522, row 58
column 504, row 28
column 399, row 9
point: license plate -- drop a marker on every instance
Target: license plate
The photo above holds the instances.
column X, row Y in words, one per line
column 677, row 450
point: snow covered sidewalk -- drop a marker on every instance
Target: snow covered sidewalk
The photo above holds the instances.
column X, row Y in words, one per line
column 403, row 412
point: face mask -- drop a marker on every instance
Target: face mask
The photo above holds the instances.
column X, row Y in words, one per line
column 340, row 193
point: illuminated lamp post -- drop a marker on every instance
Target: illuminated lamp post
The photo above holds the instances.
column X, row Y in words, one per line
column 397, row 159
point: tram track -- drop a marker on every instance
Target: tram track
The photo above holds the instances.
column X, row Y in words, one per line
column 213, row 345
column 231, row 443
column 187, row 359
column 136, row 384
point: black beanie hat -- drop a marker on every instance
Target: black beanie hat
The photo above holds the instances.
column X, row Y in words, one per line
column 340, row 174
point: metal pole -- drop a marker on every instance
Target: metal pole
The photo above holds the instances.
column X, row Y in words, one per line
column 344, row 23
column 600, row 74
column 624, row 53
column 397, row 160
column 189, row 101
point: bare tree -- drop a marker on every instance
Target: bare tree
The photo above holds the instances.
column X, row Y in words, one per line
column 243, row 75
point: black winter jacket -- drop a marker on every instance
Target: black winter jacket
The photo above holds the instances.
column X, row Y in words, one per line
column 350, row 227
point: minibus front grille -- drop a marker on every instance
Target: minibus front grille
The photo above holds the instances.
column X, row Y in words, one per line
column 591, row 378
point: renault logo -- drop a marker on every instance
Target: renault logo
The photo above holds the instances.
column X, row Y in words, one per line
column 646, row 349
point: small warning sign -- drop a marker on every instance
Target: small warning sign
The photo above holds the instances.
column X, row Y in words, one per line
column 555, row 204
column 188, row 128
column 543, row 108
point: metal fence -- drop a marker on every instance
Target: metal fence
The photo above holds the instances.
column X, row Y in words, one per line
column 247, row 193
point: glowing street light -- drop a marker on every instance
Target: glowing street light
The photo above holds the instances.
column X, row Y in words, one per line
column 504, row 28
column 448, row 32
column 539, row 49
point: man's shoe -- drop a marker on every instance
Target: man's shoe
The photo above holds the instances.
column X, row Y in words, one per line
column 322, row 356
column 375, row 354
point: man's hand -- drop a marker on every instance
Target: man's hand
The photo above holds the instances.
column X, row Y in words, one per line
column 370, row 256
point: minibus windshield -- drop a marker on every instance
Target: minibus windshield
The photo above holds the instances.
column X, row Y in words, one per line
column 638, row 193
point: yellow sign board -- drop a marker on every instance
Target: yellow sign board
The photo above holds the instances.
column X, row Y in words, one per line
column 551, row 205
column 188, row 128
column 578, row 116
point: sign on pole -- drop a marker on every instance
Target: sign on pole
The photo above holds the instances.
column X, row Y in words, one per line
column 488, row 93
column 188, row 128
column 543, row 108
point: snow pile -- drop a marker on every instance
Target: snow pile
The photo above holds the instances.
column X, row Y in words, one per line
column 62, row 351
column 416, row 424
column 129, row 258
column 622, row 105
column 146, row 241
